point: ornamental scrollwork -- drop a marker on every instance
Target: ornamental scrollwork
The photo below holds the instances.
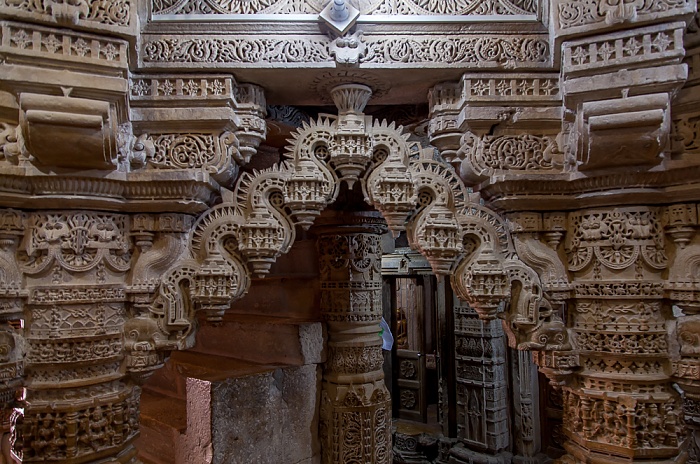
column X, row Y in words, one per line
column 103, row 12
column 211, row 152
column 237, row 50
column 486, row 154
column 75, row 242
column 574, row 13
column 256, row 50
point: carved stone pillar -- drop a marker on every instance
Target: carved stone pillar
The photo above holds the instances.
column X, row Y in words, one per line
column 355, row 404
column 621, row 406
column 482, row 392
column 77, row 406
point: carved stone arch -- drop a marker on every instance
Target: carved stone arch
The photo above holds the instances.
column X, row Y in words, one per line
column 266, row 230
column 173, row 305
column 222, row 276
column 210, row 229
column 311, row 184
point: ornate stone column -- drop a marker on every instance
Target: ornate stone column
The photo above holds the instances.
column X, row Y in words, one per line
column 622, row 403
column 77, row 405
column 482, row 392
column 355, row 404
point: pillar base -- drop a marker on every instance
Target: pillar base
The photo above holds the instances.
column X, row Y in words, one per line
column 579, row 455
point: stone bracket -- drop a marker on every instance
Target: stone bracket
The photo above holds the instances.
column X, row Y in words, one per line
column 64, row 132
column 638, row 126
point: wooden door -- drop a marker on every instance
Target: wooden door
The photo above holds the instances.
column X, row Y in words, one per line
column 409, row 369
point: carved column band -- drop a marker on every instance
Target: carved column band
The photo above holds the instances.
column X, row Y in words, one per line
column 355, row 404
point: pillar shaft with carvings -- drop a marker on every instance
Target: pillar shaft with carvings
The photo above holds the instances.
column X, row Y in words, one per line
column 355, row 404
column 482, row 392
column 77, row 406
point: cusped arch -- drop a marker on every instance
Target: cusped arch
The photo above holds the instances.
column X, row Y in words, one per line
column 460, row 237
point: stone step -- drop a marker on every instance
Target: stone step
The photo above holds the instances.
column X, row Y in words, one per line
column 163, row 420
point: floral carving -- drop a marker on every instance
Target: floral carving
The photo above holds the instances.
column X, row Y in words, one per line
column 617, row 238
column 77, row 242
column 187, row 151
column 486, row 154
column 238, row 50
column 490, row 52
column 407, row 369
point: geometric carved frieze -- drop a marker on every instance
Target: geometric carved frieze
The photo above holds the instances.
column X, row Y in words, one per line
column 624, row 49
column 180, row 89
column 25, row 43
column 528, row 87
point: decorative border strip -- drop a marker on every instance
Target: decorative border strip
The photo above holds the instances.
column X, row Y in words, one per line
column 475, row 51
column 625, row 49
column 367, row 7
column 59, row 44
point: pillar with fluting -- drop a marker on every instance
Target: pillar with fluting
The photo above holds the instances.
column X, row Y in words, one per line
column 621, row 407
column 355, row 404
